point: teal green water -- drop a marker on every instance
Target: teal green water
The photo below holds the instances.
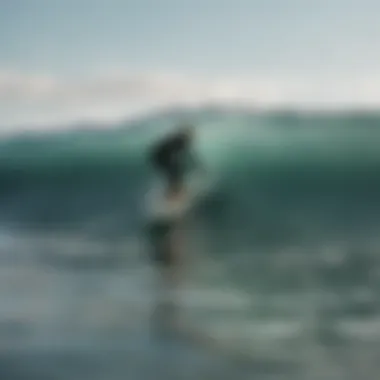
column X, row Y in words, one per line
column 318, row 169
column 283, row 246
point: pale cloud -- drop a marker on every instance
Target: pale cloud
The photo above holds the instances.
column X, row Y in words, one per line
column 31, row 99
column 22, row 87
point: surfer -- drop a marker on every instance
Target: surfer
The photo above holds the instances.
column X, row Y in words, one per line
column 172, row 159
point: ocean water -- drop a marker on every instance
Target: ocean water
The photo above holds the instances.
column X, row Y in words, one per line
column 282, row 249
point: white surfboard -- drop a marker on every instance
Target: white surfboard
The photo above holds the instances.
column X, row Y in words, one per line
column 158, row 206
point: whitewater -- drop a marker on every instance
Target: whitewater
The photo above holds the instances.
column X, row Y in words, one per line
column 283, row 249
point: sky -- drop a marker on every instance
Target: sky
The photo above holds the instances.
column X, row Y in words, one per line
column 64, row 61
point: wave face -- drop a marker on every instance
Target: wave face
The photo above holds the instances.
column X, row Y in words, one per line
column 278, row 176
column 285, row 242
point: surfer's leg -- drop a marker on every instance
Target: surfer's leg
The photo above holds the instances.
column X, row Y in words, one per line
column 177, row 257
column 158, row 233
column 165, row 251
column 170, row 260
